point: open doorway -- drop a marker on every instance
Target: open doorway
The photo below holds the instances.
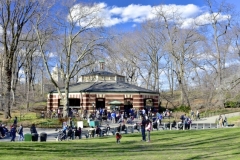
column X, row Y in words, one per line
column 100, row 103
column 127, row 107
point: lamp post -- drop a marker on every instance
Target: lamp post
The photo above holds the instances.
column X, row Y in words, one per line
column 93, row 111
column 93, row 105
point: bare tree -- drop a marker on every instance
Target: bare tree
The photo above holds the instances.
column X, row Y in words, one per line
column 14, row 19
column 180, row 46
column 123, row 56
column 76, row 32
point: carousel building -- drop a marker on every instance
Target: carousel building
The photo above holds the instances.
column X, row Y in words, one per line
column 102, row 89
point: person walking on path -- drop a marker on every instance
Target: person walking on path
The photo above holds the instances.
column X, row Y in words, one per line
column 220, row 121
column 13, row 133
column 20, row 132
column 148, row 129
column 15, row 121
column 192, row 114
column 197, row 115
column 143, row 125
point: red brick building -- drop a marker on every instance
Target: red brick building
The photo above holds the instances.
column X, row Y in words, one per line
column 102, row 89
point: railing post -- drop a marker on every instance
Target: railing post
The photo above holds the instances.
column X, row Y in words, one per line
column 203, row 125
column 197, row 126
column 210, row 125
column 164, row 125
column 170, row 126
column 183, row 126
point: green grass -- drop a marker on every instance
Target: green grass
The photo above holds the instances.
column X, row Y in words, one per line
column 214, row 144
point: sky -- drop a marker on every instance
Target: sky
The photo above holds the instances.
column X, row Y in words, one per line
column 127, row 14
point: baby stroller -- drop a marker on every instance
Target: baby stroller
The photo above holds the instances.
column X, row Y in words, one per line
column 61, row 135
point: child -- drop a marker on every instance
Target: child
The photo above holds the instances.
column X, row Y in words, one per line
column 118, row 137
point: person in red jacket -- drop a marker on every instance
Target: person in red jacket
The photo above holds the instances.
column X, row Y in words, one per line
column 118, row 137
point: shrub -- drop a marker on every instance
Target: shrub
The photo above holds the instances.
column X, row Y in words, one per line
column 184, row 108
column 231, row 104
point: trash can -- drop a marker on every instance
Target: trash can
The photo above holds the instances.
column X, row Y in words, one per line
column 94, row 123
column 43, row 137
column 34, row 137
column 27, row 137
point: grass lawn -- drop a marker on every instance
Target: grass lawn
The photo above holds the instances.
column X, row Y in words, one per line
column 173, row 145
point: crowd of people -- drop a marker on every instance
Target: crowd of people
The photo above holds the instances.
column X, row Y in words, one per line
column 149, row 119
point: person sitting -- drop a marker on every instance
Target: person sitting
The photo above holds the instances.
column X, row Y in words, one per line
column 3, row 131
column 98, row 131
column 78, row 132
column 123, row 127
column 119, row 128
column 172, row 125
column 108, row 129
column 129, row 120
column 91, row 132
column 70, row 133
column 137, row 127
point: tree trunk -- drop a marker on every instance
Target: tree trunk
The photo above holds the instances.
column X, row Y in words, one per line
column 66, row 103
column 7, row 104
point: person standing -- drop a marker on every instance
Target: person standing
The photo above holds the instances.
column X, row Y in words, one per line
column 143, row 125
column 71, row 122
column 20, row 132
column 148, row 129
column 220, row 121
column 159, row 117
column 33, row 129
column 198, row 115
column 225, row 121
column 15, row 121
column 192, row 114
column 113, row 116
column 13, row 133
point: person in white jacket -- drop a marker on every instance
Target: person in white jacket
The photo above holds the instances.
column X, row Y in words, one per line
column 148, row 129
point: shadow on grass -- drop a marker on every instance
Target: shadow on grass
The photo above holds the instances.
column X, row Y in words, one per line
column 201, row 144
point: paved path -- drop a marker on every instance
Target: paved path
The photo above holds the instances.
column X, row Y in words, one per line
column 213, row 118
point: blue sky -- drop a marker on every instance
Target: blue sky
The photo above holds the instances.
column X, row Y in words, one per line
column 127, row 14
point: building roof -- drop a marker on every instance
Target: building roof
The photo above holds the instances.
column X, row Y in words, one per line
column 101, row 73
column 106, row 87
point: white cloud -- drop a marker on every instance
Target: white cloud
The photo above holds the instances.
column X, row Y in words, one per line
column 206, row 18
column 113, row 15
column 134, row 25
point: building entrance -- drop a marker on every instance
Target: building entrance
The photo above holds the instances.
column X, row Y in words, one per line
column 127, row 107
column 100, row 103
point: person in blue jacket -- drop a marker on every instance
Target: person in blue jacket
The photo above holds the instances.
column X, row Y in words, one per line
column 13, row 133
